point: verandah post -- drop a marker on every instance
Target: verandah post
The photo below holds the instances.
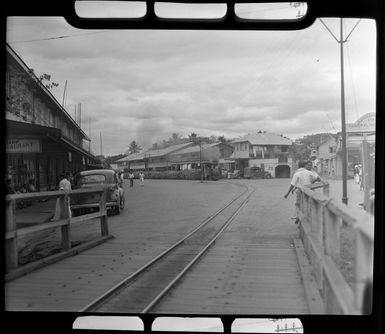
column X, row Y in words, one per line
column 11, row 243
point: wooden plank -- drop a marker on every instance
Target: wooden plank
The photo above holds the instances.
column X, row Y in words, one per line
column 53, row 258
column 86, row 217
column 313, row 297
column 41, row 227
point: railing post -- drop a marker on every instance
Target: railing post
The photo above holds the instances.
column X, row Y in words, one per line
column 11, row 243
column 65, row 229
column 103, row 212
column 363, row 267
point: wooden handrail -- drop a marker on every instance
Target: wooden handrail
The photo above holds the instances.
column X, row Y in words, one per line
column 52, row 194
column 321, row 221
column 64, row 222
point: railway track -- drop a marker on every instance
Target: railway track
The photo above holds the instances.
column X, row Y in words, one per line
column 143, row 290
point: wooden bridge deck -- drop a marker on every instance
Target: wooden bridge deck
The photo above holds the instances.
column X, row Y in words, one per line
column 252, row 269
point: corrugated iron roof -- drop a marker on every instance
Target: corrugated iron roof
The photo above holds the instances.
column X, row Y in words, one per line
column 196, row 148
column 264, row 138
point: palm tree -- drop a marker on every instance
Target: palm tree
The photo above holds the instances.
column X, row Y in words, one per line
column 134, row 147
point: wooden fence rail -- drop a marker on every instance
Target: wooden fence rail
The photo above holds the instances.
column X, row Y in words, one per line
column 322, row 219
column 64, row 221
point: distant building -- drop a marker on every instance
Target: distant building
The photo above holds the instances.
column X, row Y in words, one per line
column 151, row 160
column 42, row 139
column 268, row 151
column 330, row 152
column 177, row 157
column 211, row 155
column 327, row 157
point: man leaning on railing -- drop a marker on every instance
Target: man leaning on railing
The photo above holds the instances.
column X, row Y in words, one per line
column 303, row 176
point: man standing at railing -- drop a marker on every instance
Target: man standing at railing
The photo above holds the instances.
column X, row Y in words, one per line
column 303, row 176
column 65, row 184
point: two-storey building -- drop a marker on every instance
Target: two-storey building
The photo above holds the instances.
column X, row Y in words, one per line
column 42, row 139
column 268, row 151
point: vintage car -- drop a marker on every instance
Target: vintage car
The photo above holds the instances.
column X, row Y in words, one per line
column 82, row 203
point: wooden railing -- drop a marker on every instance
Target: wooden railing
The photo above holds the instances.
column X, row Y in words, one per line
column 322, row 222
column 64, row 221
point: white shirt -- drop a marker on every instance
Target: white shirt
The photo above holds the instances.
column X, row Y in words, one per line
column 303, row 177
column 65, row 185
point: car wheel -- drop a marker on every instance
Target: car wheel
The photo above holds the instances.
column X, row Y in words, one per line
column 117, row 209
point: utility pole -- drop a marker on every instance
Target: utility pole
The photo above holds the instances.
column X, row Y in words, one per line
column 89, row 134
column 101, row 144
column 80, row 114
column 200, row 158
column 341, row 41
column 64, row 93
column 343, row 122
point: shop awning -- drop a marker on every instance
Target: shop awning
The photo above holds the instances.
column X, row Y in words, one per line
column 76, row 148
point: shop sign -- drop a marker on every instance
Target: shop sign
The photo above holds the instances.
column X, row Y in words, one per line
column 23, row 146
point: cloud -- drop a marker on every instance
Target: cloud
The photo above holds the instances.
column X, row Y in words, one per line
column 145, row 85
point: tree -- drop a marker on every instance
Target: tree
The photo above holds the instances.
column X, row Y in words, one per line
column 111, row 159
column 22, row 91
column 222, row 139
column 134, row 147
column 45, row 79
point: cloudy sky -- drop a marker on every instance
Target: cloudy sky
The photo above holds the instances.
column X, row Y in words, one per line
column 146, row 85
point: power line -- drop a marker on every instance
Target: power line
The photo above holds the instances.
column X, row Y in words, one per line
column 58, row 37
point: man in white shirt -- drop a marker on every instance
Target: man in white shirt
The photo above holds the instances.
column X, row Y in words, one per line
column 64, row 184
column 303, row 176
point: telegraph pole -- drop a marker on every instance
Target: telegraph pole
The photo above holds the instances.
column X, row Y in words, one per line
column 343, row 125
column 341, row 41
column 200, row 158
column 101, row 144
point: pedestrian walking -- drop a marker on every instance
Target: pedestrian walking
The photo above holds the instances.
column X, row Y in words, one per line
column 141, row 178
column 121, row 177
column 131, row 177
column 303, row 176
column 356, row 175
column 361, row 180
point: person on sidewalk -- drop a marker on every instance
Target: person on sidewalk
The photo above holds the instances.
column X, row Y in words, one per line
column 131, row 177
column 141, row 178
column 303, row 176
column 121, row 179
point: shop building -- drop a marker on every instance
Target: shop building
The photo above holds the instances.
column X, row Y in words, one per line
column 210, row 155
column 42, row 139
column 268, row 151
column 177, row 157
column 330, row 152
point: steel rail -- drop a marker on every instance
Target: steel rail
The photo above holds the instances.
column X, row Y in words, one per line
column 99, row 300
column 156, row 300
